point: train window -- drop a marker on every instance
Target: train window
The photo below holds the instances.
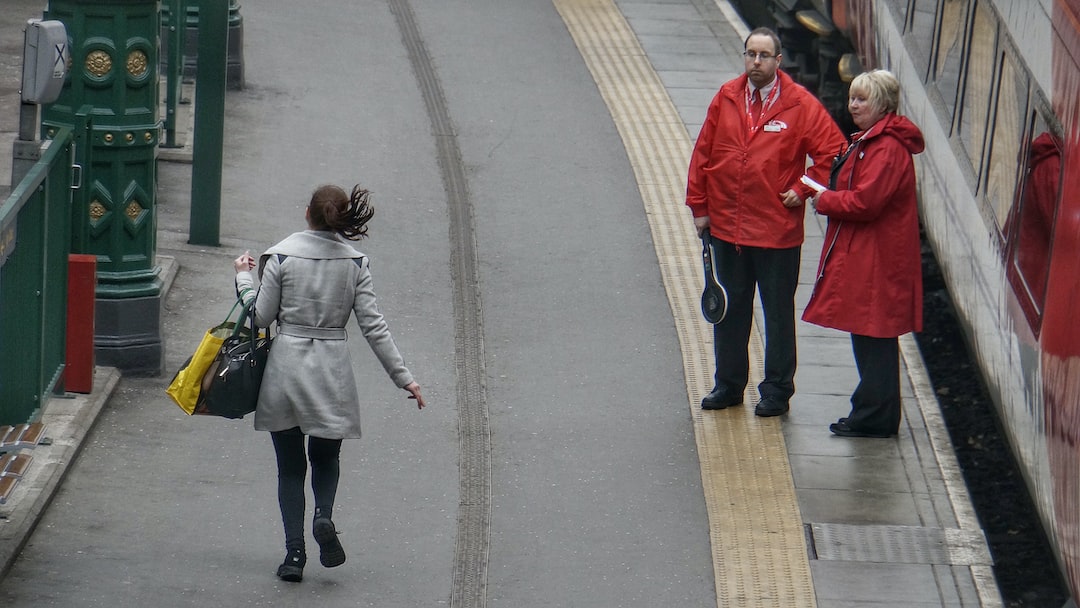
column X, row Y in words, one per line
column 1030, row 225
column 1005, row 138
column 978, row 83
column 920, row 26
column 901, row 8
column 950, row 51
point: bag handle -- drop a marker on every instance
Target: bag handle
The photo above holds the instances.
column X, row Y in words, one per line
column 246, row 311
column 239, row 302
column 247, row 316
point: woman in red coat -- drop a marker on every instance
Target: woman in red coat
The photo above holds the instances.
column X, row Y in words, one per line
column 869, row 279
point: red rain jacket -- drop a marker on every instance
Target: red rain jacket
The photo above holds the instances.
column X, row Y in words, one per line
column 869, row 279
column 736, row 177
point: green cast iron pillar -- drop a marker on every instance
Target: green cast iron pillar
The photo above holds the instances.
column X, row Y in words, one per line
column 233, row 44
column 111, row 102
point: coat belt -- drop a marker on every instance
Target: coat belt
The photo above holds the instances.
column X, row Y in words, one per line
column 309, row 331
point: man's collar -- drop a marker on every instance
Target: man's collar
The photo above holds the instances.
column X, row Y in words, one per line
column 765, row 90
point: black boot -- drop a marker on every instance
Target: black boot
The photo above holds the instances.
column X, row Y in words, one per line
column 330, row 552
column 292, row 569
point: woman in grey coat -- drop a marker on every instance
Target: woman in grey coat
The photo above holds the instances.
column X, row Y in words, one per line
column 310, row 283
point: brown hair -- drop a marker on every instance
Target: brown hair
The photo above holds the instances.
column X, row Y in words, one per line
column 331, row 209
column 764, row 31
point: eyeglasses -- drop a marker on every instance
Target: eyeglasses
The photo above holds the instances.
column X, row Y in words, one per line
column 752, row 56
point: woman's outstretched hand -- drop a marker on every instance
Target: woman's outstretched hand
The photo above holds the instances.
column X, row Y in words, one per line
column 414, row 389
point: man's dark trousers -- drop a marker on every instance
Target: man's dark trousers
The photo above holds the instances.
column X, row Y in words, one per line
column 775, row 273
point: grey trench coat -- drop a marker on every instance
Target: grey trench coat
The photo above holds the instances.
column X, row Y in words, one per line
column 310, row 283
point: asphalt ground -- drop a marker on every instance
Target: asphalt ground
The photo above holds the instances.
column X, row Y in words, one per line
column 596, row 493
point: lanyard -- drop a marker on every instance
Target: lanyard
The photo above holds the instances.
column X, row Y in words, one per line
column 839, row 161
column 752, row 122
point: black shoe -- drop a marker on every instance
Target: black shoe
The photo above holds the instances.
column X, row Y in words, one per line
column 842, row 429
column 292, row 569
column 330, row 552
column 771, row 406
column 719, row 399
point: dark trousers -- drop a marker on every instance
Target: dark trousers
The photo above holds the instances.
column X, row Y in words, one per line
column 292, row 464
column 875, row 404
column 775, row 275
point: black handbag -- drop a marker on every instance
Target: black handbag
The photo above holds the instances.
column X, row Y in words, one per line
column 714, row 299
column 231, row 384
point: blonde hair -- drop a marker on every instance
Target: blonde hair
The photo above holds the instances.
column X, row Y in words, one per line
column 881, row 88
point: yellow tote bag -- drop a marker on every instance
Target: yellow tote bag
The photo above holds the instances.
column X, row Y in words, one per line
column 187, row 384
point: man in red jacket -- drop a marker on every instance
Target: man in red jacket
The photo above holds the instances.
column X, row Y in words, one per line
column 761, row 132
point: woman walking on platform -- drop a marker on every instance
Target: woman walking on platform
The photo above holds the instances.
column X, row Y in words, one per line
column 310, row 283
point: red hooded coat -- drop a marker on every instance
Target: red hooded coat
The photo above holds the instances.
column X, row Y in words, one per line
column 736, row 177
column 869, row 279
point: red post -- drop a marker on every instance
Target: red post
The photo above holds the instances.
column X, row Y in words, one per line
column 79, row 365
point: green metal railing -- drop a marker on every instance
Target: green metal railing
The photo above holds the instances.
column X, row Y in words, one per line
column 35, row 239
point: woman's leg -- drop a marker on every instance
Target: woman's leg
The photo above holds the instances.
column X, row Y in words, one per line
column 292, row 471
column 325, row 470
column 875, row 404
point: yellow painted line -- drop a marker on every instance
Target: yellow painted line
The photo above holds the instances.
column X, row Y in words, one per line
column 758, row 546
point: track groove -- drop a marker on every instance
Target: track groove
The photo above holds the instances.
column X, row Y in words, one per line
column 474, row 439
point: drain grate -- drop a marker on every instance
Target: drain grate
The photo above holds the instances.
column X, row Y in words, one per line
column 899, row 544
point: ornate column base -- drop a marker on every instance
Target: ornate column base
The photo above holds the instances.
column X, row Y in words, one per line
column 128, row 335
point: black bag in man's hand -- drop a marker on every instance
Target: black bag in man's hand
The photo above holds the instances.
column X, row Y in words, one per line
column 714, row 301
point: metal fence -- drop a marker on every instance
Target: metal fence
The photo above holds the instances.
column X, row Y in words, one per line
column 35, row 239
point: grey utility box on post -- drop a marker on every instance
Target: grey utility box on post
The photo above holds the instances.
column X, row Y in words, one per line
column 45, row 58
column 45, row 67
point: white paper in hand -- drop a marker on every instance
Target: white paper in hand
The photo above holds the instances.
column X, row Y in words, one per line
column 806, row 179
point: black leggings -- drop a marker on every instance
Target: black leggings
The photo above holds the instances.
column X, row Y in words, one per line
column 292, row 470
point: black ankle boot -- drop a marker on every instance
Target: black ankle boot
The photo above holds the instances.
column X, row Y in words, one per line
column 292, row 569
column 330, row 552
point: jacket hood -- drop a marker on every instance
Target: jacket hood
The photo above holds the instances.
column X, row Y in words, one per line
column 1044, row 146
column 899, row 127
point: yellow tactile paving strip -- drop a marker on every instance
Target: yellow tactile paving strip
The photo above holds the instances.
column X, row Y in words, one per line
column 759, row 550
